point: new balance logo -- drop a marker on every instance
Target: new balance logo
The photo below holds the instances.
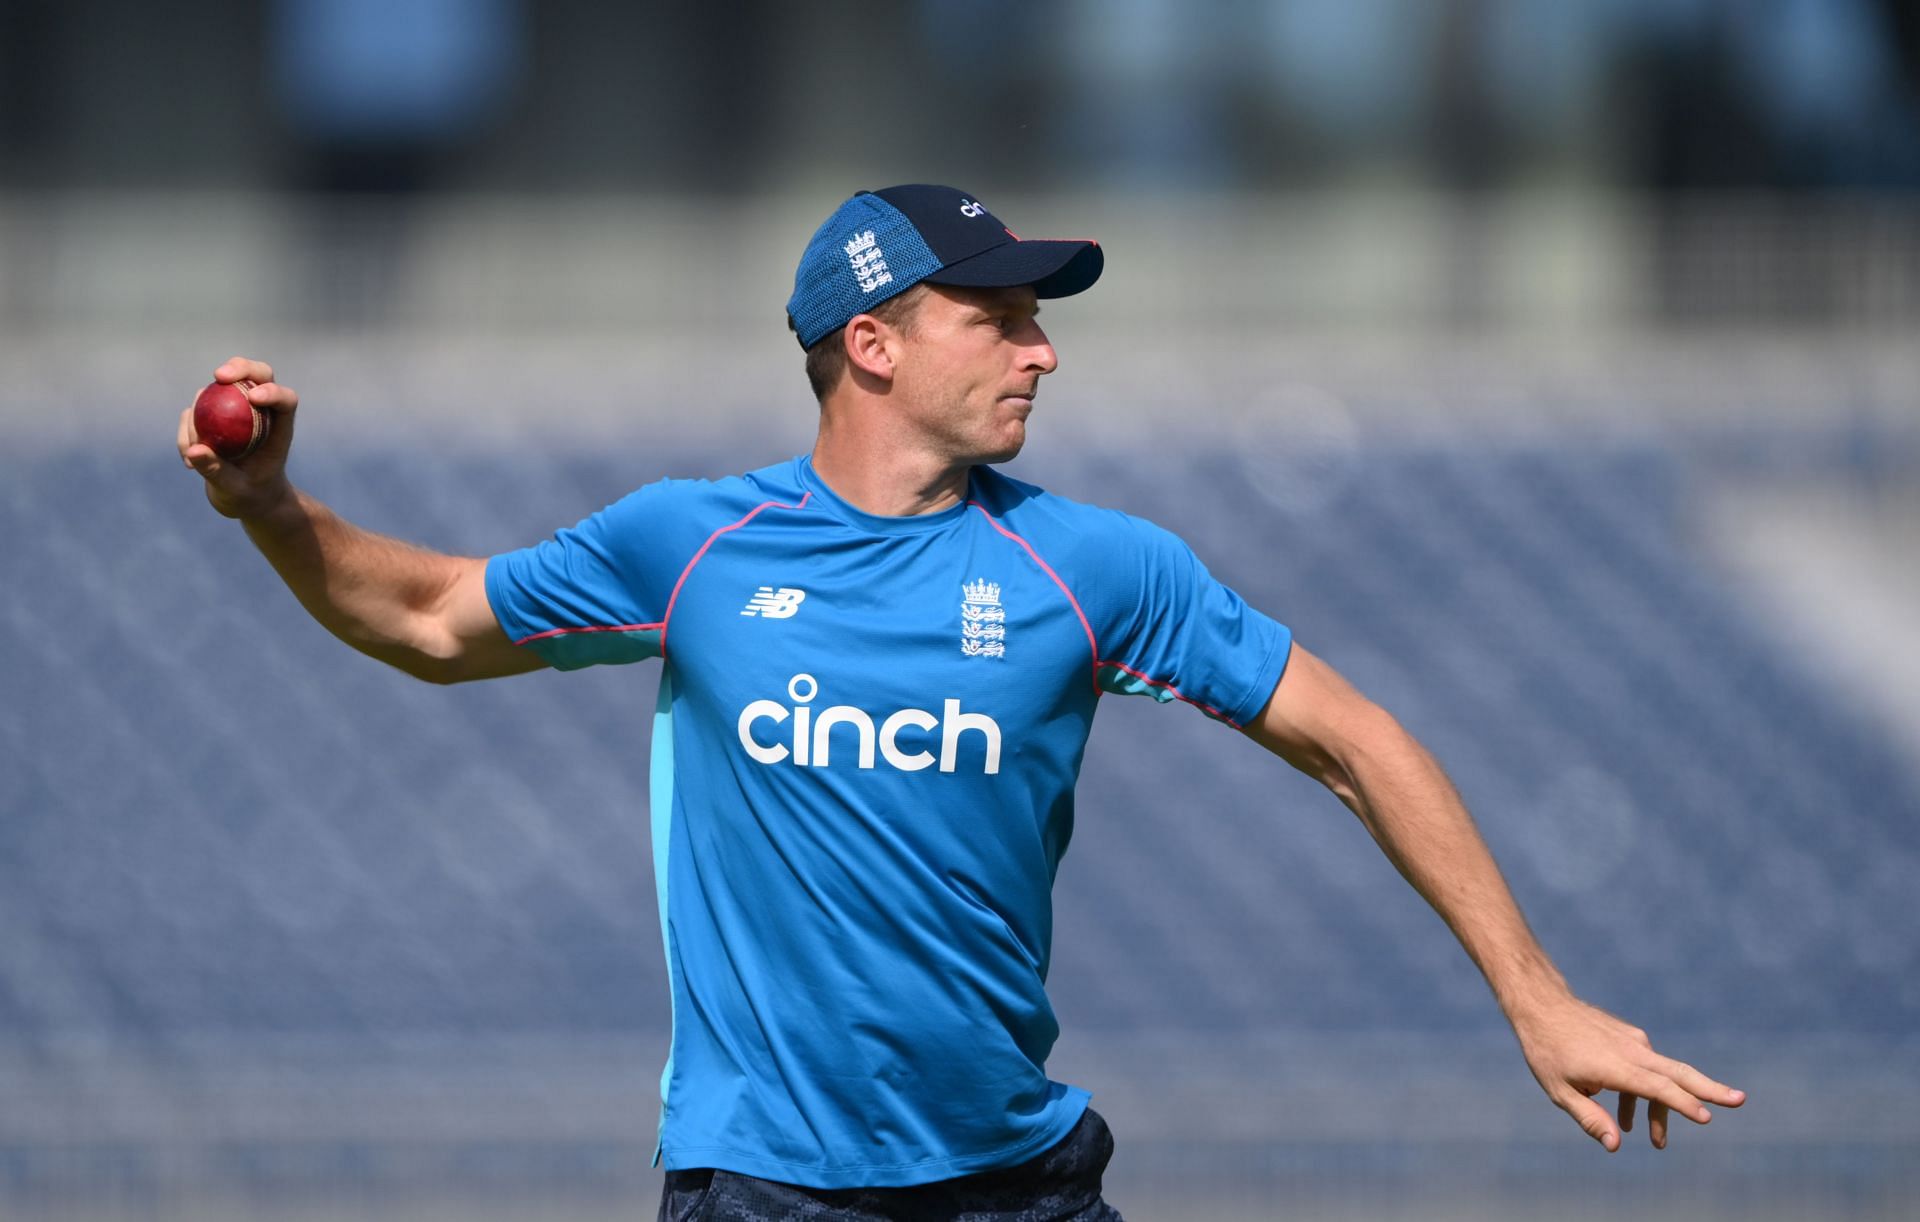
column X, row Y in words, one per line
column 774, row 604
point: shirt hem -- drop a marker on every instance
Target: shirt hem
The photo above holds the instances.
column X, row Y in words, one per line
column 881, row 1175
column 1272, row 669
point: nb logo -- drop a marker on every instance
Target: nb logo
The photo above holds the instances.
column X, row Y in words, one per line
column 774, row 604
column 969, row 208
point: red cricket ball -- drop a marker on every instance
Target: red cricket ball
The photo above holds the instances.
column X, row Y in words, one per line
column 227, row 422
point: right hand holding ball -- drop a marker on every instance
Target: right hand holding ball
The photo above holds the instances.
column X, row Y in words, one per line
column 236, row 436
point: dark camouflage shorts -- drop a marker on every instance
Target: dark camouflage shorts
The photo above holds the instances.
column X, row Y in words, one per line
column 1060, row 1185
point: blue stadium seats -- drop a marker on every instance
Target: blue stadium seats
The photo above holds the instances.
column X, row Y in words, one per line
column 217, row 818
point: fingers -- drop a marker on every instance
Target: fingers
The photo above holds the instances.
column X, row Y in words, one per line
column 193, row 454
column 239, row 368
column 204, row 460
column 273, row 397
column 1676, row 1086
column 1652, row 1086
column 1697, row 1083
column 1576, row 1051
column 243, row 488
column 201, row 458
column 1591, row 1117
column 265, row 392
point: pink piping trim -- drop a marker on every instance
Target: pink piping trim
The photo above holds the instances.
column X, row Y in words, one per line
column 684, row 573
column 1016, row 237
column 1207, row 708
column 1091, row 643
column 597, row 628
column 1093, row 646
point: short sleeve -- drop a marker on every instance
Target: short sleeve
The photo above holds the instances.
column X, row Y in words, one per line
column 597, row 592
column 1173, row 632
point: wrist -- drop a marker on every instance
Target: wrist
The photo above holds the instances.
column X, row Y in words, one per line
column 268, row 506
column 1531, row 990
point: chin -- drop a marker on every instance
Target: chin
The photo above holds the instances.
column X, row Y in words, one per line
column 1007, row 451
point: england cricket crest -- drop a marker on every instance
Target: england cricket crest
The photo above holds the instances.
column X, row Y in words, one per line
column 983, row 621
column 868, row 263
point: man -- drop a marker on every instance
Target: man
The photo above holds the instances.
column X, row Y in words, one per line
column 881, row 662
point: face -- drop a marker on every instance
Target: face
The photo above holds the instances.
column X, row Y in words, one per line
column 968, row 369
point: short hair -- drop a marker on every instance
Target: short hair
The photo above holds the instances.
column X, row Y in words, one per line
column 827, row 359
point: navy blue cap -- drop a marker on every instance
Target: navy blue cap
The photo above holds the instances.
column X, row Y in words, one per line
column 881, row 243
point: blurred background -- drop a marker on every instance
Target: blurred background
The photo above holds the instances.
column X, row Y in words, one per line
column 1549, row 367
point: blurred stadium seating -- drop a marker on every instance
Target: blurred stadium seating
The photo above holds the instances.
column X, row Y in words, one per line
column 275, row 906
column 1550, row 368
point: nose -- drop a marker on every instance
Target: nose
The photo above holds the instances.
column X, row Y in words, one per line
column 1039, row 355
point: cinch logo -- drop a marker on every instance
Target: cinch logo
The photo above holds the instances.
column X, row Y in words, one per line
column 812, row 737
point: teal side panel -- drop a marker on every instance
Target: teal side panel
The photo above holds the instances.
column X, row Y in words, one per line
column 597, row 647
column 1113, row 679
column 660, row 799
column 1126, row 683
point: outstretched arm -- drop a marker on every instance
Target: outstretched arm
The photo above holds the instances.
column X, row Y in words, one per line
column 421, row 611
column 1318, row 723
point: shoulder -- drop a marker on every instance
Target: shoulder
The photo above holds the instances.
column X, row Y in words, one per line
column 693, row 504
column 658, row 526
column 1076, row 532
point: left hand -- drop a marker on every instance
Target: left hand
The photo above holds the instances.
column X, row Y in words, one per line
column 1576, row 1050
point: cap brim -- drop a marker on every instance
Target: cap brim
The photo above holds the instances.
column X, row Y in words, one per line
column 1054, row 267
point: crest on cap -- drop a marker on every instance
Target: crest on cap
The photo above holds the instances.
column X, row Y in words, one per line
column 869, row 262
column 878, row 244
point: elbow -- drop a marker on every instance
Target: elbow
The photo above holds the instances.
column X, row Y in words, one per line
column 440, row 667
column 1340, row 782
column 1371, row 735
column 441, row 672
column 431, row 656
column 440, row 675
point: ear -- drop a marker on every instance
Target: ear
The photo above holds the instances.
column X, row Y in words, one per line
column 870, row 346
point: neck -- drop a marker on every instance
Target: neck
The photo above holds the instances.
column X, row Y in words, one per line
column 882, row 477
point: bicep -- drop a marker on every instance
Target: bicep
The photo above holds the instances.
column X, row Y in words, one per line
column 1316, row 720
column 475, row 645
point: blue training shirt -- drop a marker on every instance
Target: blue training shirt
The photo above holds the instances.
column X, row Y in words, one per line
column 868, row 735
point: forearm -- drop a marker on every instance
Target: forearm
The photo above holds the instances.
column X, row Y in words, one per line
column 375, row 593
column 1404, row 798
column 1317, row 722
